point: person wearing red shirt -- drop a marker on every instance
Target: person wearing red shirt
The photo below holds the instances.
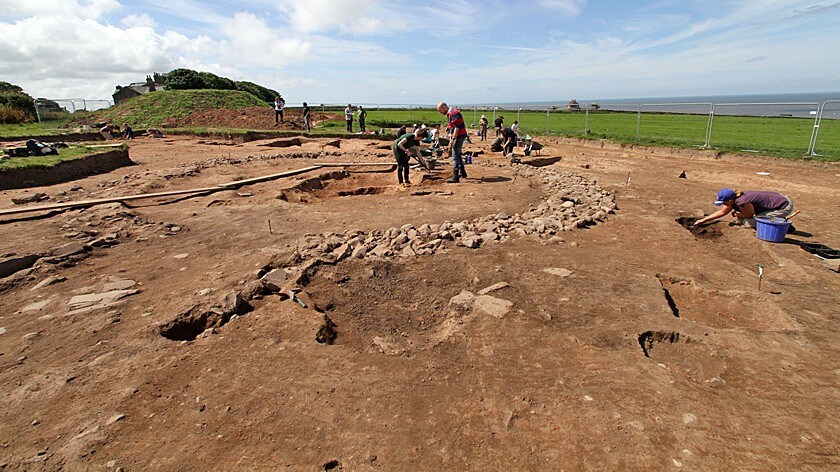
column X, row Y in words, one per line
column 457, row 135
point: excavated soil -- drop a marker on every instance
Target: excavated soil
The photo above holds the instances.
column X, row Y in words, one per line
column 552, row 315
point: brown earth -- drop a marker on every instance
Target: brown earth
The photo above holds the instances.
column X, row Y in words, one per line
column 591, row 370
column 250, row 118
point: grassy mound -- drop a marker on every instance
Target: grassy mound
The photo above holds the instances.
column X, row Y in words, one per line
column 171, row 107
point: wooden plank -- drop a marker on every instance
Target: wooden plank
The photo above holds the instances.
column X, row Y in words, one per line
column 254, row 180
column 226, row 186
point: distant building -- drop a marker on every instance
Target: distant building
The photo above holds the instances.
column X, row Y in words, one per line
column 152, row 83
column 573, row 105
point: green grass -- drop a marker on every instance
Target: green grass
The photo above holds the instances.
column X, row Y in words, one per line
column 774, row 136
column 64, row 154
column 159, row 108
column 46, row 128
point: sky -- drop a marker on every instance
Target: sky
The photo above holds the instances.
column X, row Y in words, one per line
column 421, row 52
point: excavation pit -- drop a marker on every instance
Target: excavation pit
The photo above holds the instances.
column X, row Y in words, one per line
column 699, row 232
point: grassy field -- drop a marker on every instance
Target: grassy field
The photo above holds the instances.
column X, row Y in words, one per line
column 64, row 154
column 782, row 136
column 775, row 136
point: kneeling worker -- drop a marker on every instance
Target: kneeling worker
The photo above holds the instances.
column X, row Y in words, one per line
column 748, row 205
column 402, row 148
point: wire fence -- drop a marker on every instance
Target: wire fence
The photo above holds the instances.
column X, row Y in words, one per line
column 78, row 109
column 790, row 128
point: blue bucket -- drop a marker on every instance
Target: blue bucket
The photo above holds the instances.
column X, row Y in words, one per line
column 771, row 229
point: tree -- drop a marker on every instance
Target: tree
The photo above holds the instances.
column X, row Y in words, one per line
column 13, row 96
column 213, row 81
column 264, row 94
column 6, row 87
column 184, row 79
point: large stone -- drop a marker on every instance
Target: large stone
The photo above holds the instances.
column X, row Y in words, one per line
column 463, row 302
column 489, row 305
column 273, row 280
column 117, row 283
column 81, row 301
column 35, row 197
column 68, row 249
column 342, row 252
column 234, row 304
column 34, row 306
column 53, row 279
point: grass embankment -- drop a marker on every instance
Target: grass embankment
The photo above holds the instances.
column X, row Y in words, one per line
column 64, row 154
column 159, row 108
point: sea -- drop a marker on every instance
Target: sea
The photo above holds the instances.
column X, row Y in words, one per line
column 800, row 105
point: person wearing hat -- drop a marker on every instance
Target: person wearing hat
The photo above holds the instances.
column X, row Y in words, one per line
column 482, row 125
column 748, row 205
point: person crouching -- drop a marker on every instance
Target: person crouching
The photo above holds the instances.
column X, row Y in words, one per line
column 402, row 148
column 748, row 205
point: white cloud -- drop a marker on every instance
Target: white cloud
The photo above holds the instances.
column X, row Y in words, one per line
column 570, row 8
column 250, row 40
column 323, row 15
column 63, row 8
column 138, row 21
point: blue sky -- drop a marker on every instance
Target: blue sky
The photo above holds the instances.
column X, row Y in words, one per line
column 401, row 52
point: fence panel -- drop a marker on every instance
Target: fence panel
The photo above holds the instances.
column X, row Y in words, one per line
column 748, row 127
column 827, row 135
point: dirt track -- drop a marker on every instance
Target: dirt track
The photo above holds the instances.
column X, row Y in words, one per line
column 589, row 369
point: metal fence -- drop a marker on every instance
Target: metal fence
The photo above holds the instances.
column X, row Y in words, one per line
column 813, row 127
column 47, row 110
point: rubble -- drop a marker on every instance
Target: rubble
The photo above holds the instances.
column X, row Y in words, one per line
column 571, row 202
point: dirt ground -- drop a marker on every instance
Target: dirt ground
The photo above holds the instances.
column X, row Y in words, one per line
column 652, row 350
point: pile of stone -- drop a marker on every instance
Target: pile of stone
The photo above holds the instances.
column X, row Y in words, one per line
column 571, row 202
column 224, row 161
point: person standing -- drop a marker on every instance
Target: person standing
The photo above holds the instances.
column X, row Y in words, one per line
column 515, row 128
column 402, row 148
column 362, row 117
column 482, row 124
column 457, row 135
column 307, row 116
column 279, row 104
column 499, row 123
column 348, row 117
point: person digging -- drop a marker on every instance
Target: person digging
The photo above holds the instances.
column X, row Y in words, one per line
column 748, row 205
column 402, row 149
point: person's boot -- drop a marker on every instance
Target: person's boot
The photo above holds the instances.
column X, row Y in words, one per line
column 463, row 173
column 455, row 178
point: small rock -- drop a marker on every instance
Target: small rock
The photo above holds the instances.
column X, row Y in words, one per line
column 493, row 288
column 327, row 332
column 495, row 307
column 558, row 271
column 53, row 279
column 182, row 256
column 114, row 419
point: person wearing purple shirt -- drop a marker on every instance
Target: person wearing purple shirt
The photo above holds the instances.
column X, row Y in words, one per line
column 748, row 205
